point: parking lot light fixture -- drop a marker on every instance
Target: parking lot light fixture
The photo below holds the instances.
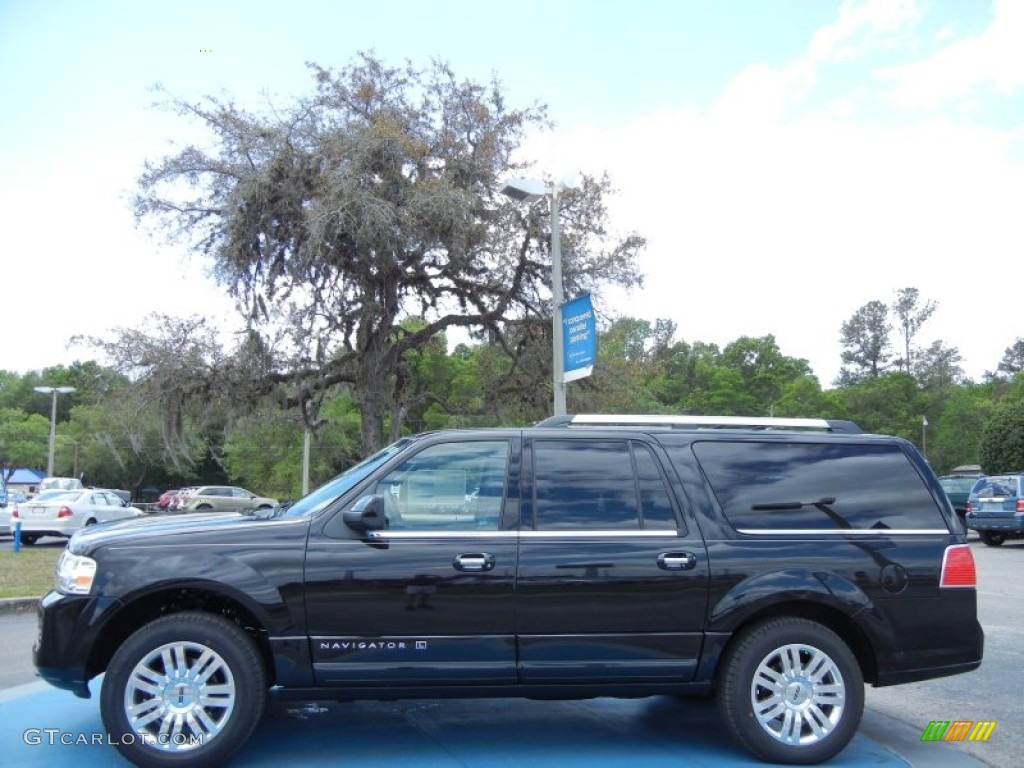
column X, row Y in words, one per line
column 529, row 191
column 53, row 418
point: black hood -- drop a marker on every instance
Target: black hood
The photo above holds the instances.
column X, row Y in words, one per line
column 222, row 525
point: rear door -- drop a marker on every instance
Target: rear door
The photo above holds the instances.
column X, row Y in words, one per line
column 611, row 585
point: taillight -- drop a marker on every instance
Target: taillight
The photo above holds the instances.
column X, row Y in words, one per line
column 1020, row 505
column 14, row 513
column 968, row 506
column 958, row 567
column 64, row 512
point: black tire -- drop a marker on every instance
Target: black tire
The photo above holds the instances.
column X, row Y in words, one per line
column 829, row 698
column 235, row 674
column 204, row 508
column 89, row 522
column 992, row 538
column 28, row 539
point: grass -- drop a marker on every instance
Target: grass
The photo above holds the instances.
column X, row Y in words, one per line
column 28, row 573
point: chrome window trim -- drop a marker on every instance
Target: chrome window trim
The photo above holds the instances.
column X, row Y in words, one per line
column 425, row 534
column 560, row 534
column 842, row 532
column 582, row 533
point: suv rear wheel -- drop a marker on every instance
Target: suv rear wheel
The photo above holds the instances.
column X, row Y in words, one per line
column 791, row 691
column 186, row 689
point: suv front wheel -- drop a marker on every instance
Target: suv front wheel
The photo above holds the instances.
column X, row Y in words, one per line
column 186, row 689
column 791, row 691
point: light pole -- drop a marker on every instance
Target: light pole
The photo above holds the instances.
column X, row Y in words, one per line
column 924, row 437
column 53, row 418
column 529, row 191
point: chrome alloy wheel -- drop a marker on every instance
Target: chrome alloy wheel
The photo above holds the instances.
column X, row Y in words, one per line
column 179, row 696
column 797, row 694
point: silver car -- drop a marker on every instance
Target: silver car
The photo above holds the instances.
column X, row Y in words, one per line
column 222, row 498
column 62, row 513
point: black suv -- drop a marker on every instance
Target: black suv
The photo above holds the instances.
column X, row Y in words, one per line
column 776, row 563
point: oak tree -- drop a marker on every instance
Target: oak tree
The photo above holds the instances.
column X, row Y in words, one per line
column 375, row 198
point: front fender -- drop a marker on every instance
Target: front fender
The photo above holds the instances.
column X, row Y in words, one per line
column 265, row 584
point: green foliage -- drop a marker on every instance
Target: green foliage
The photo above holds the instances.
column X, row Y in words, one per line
column 117, row 434
column 1002, row 439
column 24, row 439
column 955, row 427
column 866, row 349
column 887, row 404
column 263, row 452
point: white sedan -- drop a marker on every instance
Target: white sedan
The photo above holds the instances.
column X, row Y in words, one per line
column 62, row 513
column 7, row 505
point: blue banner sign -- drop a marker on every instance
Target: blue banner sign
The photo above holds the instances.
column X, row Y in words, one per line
column 579, row 338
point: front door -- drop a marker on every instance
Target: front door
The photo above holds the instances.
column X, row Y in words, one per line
column 429, row 600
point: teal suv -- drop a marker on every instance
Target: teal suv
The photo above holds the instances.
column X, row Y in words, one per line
column 995, row 508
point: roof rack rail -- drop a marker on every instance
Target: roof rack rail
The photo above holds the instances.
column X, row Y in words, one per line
column 701, row 422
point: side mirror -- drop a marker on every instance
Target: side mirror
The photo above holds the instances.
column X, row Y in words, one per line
column 367, row 514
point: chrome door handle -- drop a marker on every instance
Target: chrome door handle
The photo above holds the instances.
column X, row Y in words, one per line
column 677, row 561
column 483, row 561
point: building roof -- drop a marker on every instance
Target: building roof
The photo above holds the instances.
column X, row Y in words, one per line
column 24, row 476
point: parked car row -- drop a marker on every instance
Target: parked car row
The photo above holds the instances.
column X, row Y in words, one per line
column 62, row 512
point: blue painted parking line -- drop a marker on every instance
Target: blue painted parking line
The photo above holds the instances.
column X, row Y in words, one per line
column 41, row 727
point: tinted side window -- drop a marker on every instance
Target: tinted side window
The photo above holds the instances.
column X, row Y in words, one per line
column 592, row 485
column 655, row 506
column 458, row 486
column 817, row 486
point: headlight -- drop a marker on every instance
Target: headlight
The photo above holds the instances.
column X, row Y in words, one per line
column 75, row 573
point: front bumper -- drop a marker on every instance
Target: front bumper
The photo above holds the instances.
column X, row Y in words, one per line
column 69, row 629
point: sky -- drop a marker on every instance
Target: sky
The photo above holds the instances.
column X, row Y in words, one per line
column 788, row 161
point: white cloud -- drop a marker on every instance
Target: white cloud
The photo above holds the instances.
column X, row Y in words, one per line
column 763, row 216
column 992, row 59
column 876, row 22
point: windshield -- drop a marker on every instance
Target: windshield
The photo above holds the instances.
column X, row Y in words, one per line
column 317, row 500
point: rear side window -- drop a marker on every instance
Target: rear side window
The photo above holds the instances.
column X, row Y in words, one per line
column 599, row 485
column 763, row 486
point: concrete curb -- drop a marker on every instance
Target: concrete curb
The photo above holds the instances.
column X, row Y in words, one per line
column 18, row 604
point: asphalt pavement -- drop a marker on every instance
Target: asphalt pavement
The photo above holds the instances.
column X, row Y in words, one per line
column 40, row 727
